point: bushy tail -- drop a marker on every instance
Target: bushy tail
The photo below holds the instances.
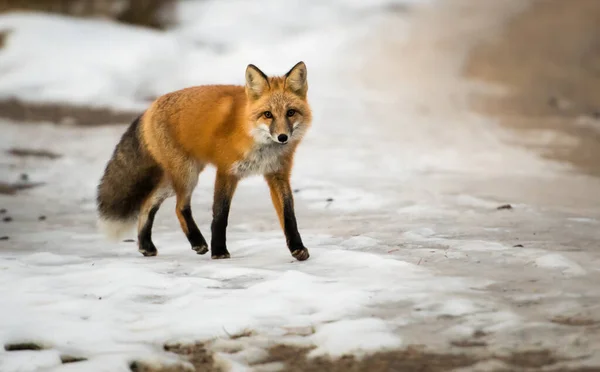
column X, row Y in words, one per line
column 129, row 178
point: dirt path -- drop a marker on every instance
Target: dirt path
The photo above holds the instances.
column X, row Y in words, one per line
column 548, row 59
column 545, row 55
column 415, row 182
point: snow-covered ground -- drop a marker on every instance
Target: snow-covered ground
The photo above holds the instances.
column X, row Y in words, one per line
column 397, row 188
column 47, row 57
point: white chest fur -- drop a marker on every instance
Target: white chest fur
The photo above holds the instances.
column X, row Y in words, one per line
column 262, row 159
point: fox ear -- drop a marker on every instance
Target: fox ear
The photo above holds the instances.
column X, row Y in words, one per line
column 295, row 79
column 256, row 82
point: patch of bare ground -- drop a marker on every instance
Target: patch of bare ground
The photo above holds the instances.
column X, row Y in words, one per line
column 197, row 354
column 37, row 153
column 66, row 359
column 531, row 358
column 20, row 346
column 150, row 13
column 67, row 114
column 575, row 321
column 549, row 59
column 410, row 359
column 12, row 188
column 413, row 358
column 417, row 359
column 32, row 346
column 7, row 188
column 242, row 334
column 142, row 367
column 468, row 343
column 3, row 36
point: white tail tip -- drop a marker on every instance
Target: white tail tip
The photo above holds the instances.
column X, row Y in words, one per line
column 115, row 229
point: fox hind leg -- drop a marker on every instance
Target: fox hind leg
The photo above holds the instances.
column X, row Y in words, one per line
column 184, row 184
column 146, row 217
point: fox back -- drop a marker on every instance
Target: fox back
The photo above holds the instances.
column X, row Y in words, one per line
column 245, row 130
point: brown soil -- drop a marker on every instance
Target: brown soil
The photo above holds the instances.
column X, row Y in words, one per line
column 23, row 346
column 197, row 354
column 294, row 359
column 549, row 59
column 410, row 359
column 30, row 346
column 242, row 334
column 415, row 359
column 22, row 152
column 574, row 321
column 150, row 13
column 63, row 113
column 531, row 359
column 468, row 343
column 13, row 188
column 65, row 359
column 3, row 35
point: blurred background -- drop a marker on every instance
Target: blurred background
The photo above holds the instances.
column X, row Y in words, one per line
column 151, row 13
column 105, row 59
column 495, row 97
column 461, row 136
column 517, row 83
column 92, row 62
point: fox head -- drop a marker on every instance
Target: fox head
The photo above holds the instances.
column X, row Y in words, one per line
column 277, row 106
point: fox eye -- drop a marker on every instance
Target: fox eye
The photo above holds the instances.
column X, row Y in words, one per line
column 290, row 113
column 268, row 114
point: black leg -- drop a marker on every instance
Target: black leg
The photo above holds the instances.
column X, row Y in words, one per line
column 218, row 242
column 281, row 194
column 146, row 247
column 290, row 227
column 193, row 233
column 225, row 186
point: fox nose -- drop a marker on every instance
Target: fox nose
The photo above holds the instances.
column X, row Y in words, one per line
column 282, row 138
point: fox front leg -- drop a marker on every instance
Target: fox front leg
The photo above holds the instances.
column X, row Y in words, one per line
column 283, row 201
column 225, row 186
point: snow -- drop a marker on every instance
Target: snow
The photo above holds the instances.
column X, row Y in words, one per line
column 338, row 197
column 339, row 338
column 107, row 56
column 398, row 213
column 111, row 302
column 560, row 262
column 25, row 361
column 583, row 220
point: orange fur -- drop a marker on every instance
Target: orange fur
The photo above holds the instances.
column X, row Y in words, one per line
column 242, row 131
column 213, row 123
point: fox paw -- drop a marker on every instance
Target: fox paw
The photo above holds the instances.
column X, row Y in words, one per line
column 201, row 249
column 148, row 251
column 220, row 256
column 301, row 254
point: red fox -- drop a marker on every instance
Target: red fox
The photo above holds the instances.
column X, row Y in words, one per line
column 241, row 130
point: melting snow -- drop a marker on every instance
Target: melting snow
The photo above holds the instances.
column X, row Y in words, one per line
column 383, row 205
